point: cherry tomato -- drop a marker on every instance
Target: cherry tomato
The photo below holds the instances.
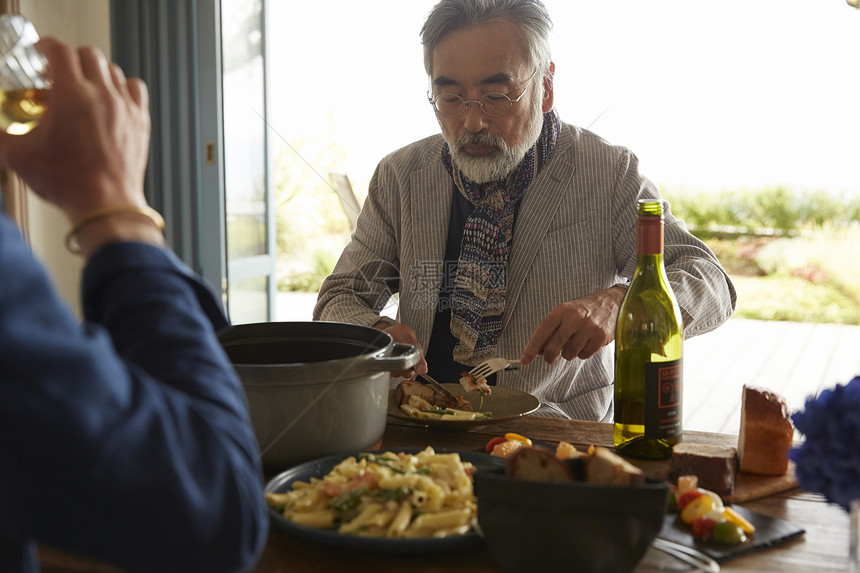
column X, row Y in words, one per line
column 703, row 528
column 728, row 532
column 493, row 443
column 687, row 497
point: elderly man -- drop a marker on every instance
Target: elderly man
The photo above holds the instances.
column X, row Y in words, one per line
column 510, row 234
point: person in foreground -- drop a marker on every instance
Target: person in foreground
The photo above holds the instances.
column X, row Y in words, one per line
column 125, row 439
column 510, row 234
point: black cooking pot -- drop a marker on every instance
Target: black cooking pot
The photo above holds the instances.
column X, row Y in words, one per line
column 315, row 388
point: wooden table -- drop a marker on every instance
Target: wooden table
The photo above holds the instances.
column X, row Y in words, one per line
column 824, row 547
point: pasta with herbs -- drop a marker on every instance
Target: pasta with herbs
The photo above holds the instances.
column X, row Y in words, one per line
column 393, row 495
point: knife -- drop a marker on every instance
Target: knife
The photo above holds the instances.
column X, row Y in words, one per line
column 447, row 393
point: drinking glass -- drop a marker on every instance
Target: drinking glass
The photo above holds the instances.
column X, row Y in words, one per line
column 23, row 82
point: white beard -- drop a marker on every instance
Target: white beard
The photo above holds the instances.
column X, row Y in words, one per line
column 499, row 164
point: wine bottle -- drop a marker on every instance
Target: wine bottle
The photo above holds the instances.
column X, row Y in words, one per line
column 649, row 336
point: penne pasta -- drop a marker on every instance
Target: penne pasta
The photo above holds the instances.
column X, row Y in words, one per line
column 401, row 520
column 418, row 407
column 386, row 495
column 318, row 519
column 442, row 519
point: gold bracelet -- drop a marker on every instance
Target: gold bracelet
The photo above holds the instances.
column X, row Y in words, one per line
column 146, row 211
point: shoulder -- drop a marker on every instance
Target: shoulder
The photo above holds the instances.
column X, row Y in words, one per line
column 582, row 144
column 415, row 156
column 418, row 164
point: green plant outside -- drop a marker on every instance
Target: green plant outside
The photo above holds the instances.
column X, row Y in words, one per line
column 775, row 210
column 792, row 255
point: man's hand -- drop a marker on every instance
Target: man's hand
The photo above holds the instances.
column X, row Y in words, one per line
column 90, row 149
column 403, row 334
column 577, row 328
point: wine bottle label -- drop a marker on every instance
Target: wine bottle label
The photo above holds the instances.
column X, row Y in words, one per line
column 663, row 381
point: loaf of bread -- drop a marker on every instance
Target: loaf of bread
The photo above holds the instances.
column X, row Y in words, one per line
column 715, row 466
column 766, row 433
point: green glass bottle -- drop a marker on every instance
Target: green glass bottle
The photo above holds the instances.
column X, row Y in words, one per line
column 649, row 337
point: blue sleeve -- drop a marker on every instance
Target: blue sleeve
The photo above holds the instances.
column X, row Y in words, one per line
column 126, row 438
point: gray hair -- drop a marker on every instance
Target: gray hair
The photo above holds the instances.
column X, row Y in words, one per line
column 451, row 15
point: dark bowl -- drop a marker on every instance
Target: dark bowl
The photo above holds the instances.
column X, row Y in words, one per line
column 575, row 526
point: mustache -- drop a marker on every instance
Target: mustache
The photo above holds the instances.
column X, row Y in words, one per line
column 481, row 138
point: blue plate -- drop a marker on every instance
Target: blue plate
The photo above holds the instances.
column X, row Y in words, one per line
column 319, row 468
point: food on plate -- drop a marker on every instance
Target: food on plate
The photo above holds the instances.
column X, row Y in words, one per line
column 503, row 446
column 605, row 466
column 472, row 384
column 537, row 464
column 409, row 388
column 392, row 495
column 418, row 407
column 715, row 466
column 567, row 451
column 703, row 510
column 421, row 401
column 598, row 465
column 766, row 432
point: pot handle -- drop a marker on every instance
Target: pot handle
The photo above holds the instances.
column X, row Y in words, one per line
column 404, row 356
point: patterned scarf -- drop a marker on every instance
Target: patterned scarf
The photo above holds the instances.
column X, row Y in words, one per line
column 481, row 280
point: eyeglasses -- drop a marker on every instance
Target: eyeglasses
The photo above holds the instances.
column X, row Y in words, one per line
column 493, row 104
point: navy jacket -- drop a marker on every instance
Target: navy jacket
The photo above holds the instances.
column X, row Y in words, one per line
column 127, row 438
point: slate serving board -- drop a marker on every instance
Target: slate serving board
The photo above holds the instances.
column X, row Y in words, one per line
column 769, row 531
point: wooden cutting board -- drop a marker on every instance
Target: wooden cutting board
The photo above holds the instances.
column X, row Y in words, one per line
column 584, row 434
column 749, row 486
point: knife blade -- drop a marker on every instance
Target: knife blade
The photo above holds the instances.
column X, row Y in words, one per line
column 432, row 382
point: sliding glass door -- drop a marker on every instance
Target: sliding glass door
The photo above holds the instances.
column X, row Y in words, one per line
column 204, row 62
column 251, row 283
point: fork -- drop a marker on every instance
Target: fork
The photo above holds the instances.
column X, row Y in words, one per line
column 690, row 556
column 491, row 366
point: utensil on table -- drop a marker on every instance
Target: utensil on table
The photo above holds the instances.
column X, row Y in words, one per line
column 432, row 382
column 493, row 365
column 688, row 555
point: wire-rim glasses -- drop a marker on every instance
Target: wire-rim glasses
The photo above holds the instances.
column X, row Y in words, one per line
column 494, row 104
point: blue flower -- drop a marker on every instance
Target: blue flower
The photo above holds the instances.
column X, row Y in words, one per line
column 828, row 461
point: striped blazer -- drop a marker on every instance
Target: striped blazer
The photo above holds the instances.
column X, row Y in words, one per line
column 575, row 234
